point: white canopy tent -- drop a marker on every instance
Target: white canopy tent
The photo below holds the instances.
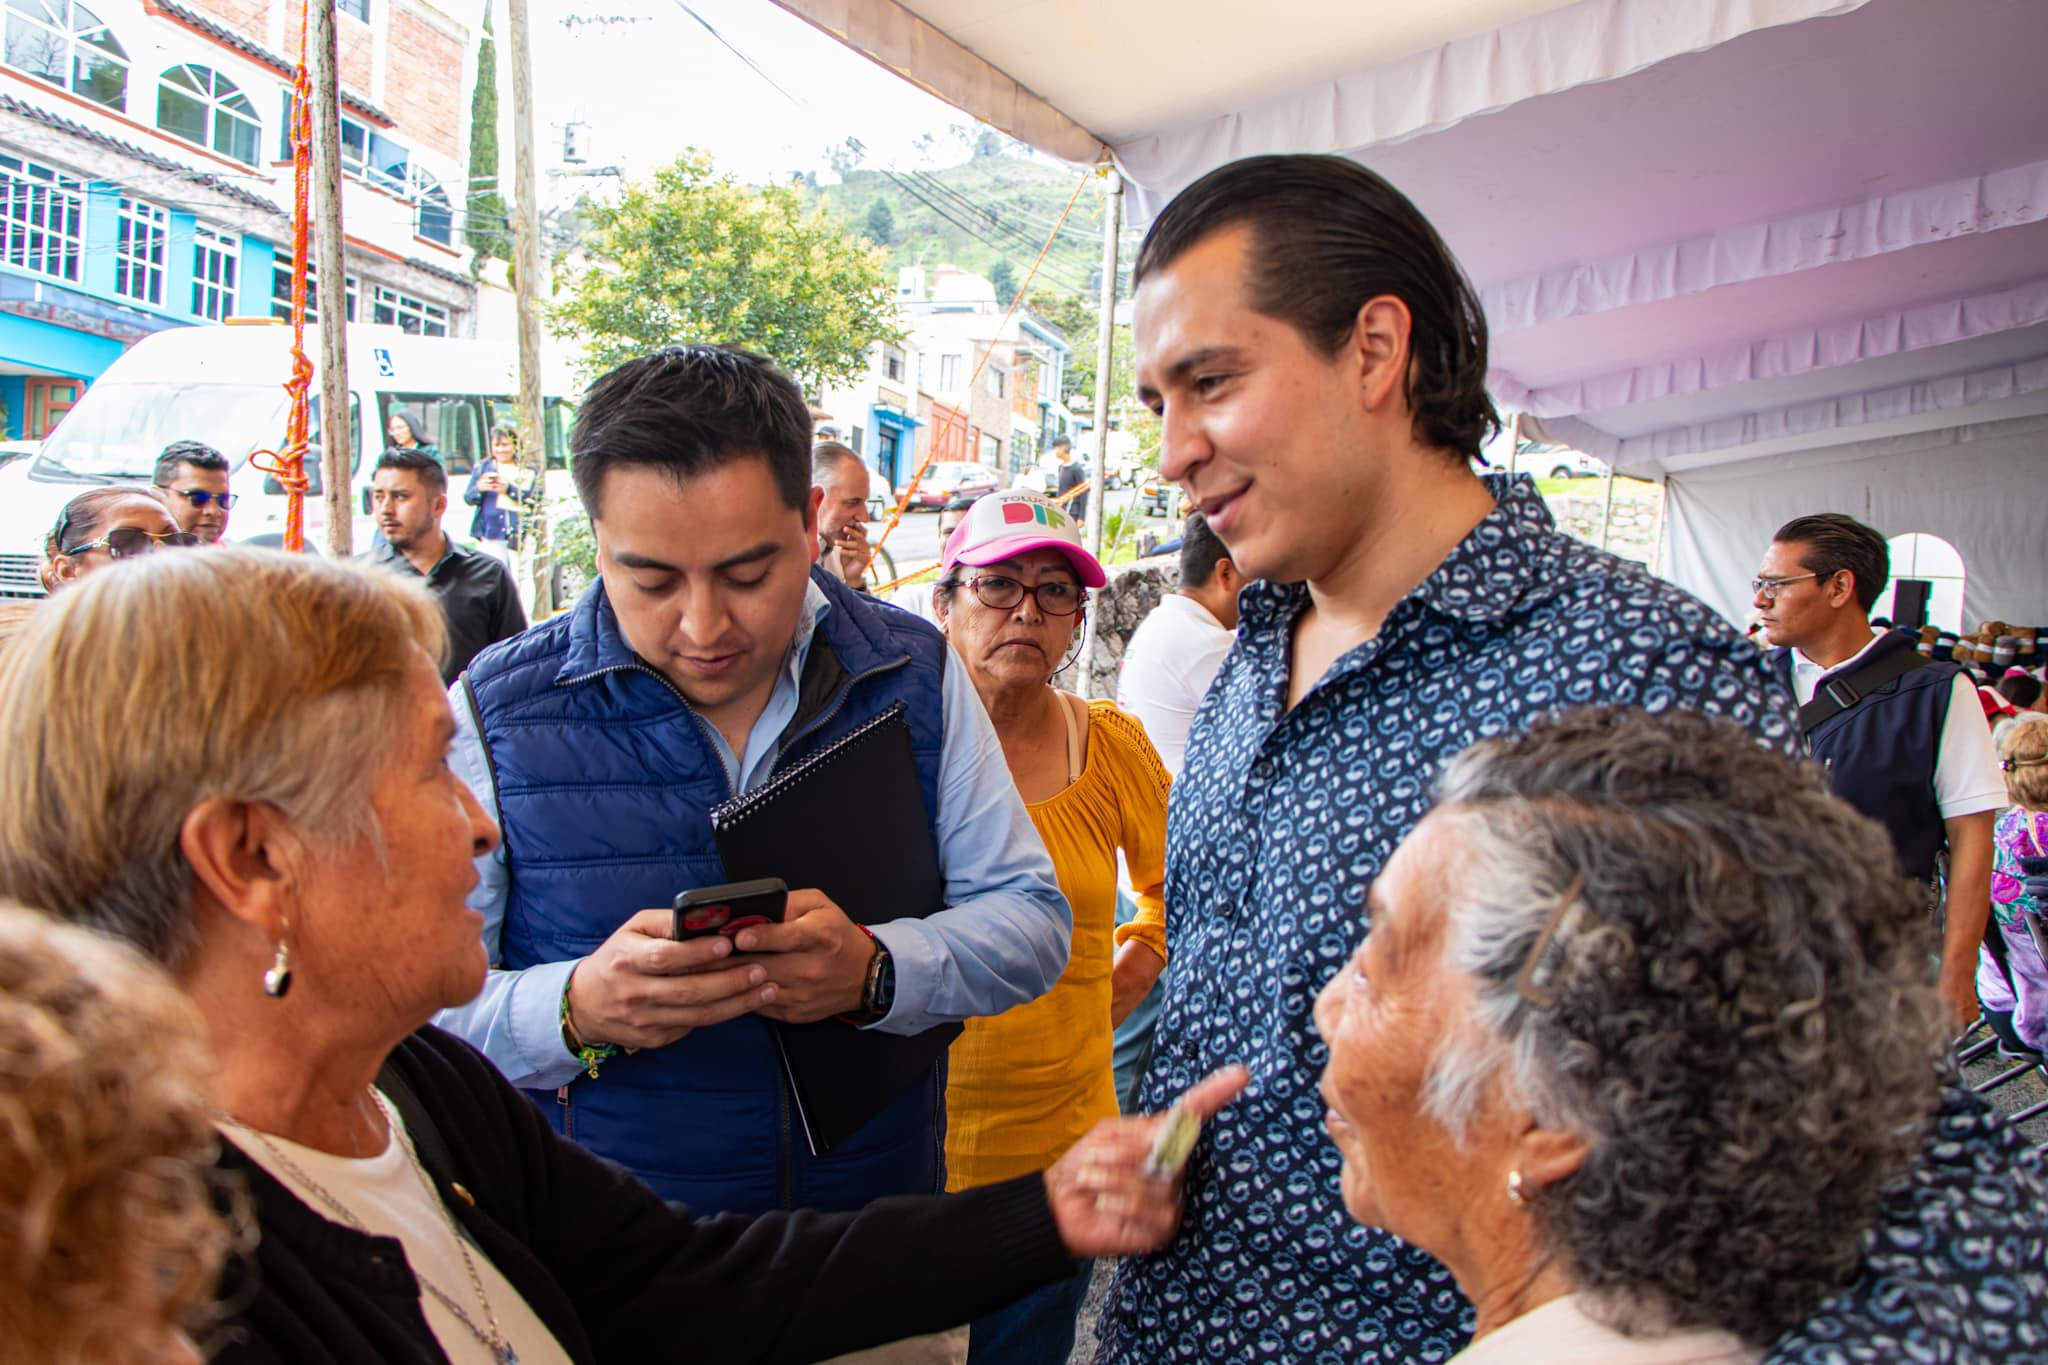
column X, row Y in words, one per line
column 1789, row 255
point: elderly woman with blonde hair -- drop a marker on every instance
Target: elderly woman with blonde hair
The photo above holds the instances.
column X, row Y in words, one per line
column 260, row 800
column 1640, row 1033
column 111, row 1233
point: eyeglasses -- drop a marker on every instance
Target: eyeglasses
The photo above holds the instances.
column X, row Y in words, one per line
column 1055, row 596
column 127, row 542
column 1767, row 588
column 199, row 497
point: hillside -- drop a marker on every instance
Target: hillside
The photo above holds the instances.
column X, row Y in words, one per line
column 980, row 215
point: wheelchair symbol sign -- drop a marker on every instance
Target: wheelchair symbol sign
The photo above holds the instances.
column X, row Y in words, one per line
column 385, row 369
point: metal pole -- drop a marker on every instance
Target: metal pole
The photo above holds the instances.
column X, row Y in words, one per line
column 337, row 434
column 1607, row 512
column 526, row 298
column 1105, row 352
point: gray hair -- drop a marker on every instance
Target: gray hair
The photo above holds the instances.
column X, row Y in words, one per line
column 827, row 457
column 1732, row 1009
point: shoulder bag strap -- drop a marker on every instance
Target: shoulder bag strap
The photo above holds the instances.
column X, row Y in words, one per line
column 1836, row 695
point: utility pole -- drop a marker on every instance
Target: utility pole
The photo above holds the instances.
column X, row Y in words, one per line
column 337, row 434
column 526, row 299
column 1105, row 350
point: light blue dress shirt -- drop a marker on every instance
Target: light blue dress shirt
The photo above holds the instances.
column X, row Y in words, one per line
column 1002, row 940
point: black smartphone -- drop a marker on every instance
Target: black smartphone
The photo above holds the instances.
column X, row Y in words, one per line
column 730, row 908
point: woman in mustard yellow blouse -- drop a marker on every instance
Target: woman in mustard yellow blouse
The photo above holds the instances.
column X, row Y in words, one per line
column 1027, row 1084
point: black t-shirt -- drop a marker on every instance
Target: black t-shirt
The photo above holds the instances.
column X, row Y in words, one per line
column 477, row 596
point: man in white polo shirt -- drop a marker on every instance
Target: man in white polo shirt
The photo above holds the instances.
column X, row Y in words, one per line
column 1175, row 652
column 1903, row 737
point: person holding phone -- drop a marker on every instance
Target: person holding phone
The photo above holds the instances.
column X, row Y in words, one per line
column 495, row 526
column 712, row 654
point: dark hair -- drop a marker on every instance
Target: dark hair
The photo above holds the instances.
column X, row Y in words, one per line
column 826, row 457
column 1063, row 440
column 412, row 425
column 417, row 461
column 688, row 409
column 1831, row 543
column 2021, row 689
column 506, row 430
column 1201, row 550
column 80, row 521
column 198, row 454
column 1328, row 235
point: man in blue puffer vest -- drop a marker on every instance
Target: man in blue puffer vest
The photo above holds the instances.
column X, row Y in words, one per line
column 1910, row 751
column 709, row 654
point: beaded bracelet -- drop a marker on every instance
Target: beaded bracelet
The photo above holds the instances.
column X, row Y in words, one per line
column 590, row 1054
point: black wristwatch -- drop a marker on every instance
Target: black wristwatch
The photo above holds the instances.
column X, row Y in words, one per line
column 878, row 992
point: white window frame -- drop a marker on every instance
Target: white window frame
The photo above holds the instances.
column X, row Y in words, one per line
column 141, row 248
column 354, row 9
column 389, row 306
column 216, row 271
column 67, row 41
column 220, row 99
column 281, row 293
column 42, row 219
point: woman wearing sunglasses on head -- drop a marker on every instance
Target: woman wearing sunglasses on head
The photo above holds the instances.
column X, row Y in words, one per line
column 104, row 526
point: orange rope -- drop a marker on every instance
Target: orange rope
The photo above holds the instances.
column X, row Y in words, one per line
column 910, row 489
column 289, row 466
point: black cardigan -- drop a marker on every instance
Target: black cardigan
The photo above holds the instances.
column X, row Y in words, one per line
column 614, row 1272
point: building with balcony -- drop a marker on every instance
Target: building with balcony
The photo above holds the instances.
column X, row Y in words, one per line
column 146, row 177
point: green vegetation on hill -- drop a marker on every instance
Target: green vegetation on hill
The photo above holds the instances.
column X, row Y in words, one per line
column 978, row 215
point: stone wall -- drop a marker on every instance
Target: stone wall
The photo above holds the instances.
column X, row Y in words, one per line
column 1133, row 590
column 1638, row 508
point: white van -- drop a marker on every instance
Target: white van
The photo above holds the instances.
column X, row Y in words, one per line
column 225, row 386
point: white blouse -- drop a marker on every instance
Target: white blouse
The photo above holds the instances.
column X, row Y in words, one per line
column 1560, row 1333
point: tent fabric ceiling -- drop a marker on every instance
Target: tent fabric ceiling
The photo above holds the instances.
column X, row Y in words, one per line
column 1702, row 231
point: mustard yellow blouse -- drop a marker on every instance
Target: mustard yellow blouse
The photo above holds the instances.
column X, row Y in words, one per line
column 1027, row 1084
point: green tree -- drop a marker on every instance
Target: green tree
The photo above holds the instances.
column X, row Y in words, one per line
column 880, row 226
column 692, row 255
column 1003, row 276
column 484, row 224
column 1078, row 321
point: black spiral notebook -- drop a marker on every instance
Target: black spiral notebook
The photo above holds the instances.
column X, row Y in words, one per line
column 851, row 822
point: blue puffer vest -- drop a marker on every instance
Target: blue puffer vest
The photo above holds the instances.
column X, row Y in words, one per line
column 605, row 779
column 1880, row 753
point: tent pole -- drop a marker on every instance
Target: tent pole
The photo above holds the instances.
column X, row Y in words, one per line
column 1607, row 512
column 1105, row 352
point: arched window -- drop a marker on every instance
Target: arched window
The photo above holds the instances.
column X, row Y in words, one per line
column 435, row 219
column 68, row 46
column 200, row 105
column 1934, row 561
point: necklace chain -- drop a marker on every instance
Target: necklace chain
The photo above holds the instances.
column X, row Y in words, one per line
column 492, row 1340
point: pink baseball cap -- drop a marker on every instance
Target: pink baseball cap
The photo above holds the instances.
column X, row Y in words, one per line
column 1007, row 524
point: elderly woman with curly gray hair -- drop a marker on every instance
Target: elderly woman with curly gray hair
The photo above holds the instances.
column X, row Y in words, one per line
column 1639, row 1035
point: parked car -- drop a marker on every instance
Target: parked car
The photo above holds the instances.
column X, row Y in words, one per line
column 948, row 479
column 1560, row 463
column 11, row 451
column 1160, row 497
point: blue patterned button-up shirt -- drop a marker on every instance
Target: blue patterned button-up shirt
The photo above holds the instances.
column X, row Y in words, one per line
column 1275, row 830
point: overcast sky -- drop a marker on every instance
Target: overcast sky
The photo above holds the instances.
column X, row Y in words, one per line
column 649, row 80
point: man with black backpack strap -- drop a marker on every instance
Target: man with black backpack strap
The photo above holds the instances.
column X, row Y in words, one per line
column 1902, row 736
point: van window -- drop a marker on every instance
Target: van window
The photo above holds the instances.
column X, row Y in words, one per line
column 454, row 425
column 558, row 415
column 315, row 465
